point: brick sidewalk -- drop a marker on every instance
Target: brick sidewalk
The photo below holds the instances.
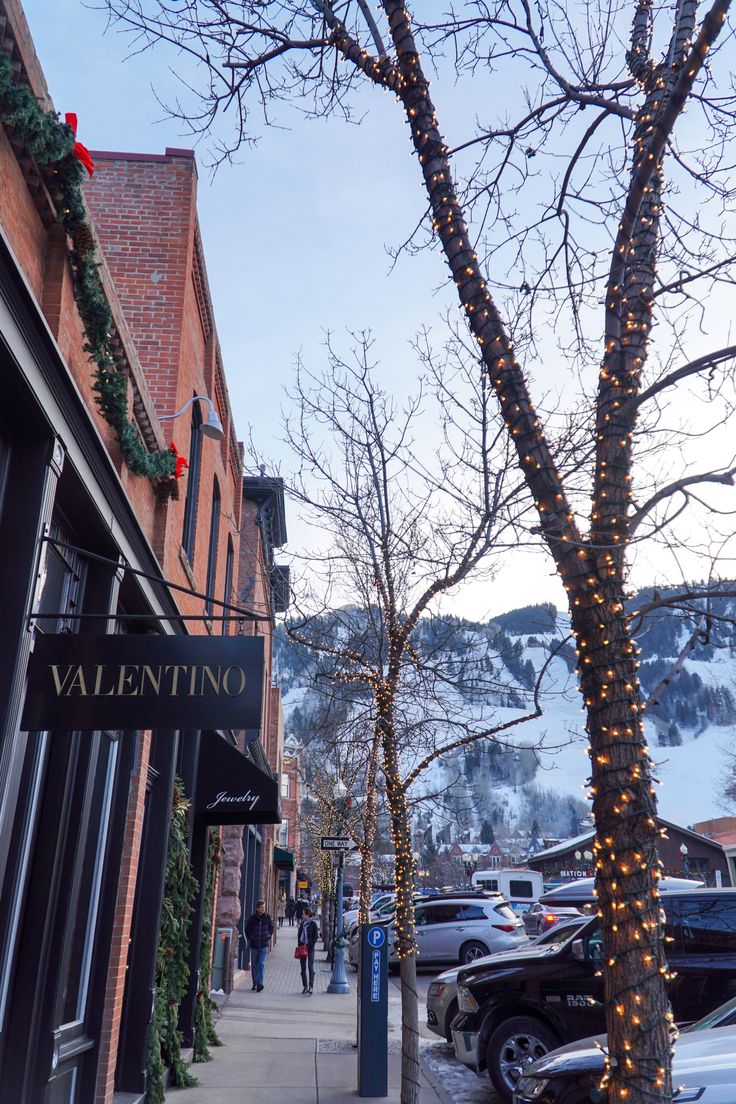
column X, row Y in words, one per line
column 282, row 969
column 280, row 1045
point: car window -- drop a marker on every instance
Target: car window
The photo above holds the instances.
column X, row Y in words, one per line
column 594, row 946
column 722, row 1016
column 420, row 916
column 473, row 912
column 443, row 914
column 707, row 925
column 506, row 911
column 558, row 934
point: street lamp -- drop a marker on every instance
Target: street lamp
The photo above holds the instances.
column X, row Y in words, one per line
column 683, row 852
column 211, row 428
column 338, row 979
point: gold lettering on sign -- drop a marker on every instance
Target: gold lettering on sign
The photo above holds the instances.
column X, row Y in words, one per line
column 98, row 691
column 213, row 680
column 77, row 681
column 226, row 681
column 59, row 683
column 127, row 674
column 176, row 668
column 148, row 675
column 132, row 680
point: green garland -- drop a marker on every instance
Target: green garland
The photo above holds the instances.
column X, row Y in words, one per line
column 172, row 969
column 204, row 1029
column 51, row 143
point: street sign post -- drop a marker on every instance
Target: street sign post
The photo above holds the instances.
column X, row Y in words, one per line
column 373, row 1012
column 337, row 843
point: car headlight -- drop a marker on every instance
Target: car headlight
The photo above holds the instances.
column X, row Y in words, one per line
column 436, row 989
column 466, row 1002
column 531, row 1087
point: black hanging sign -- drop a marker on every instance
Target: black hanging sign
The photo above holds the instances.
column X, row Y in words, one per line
column 135, row 681
column 231, row 789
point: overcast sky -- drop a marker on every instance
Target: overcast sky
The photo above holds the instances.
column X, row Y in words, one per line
column 295, row 234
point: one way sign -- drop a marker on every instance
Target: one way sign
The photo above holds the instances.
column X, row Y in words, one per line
column 337, row 843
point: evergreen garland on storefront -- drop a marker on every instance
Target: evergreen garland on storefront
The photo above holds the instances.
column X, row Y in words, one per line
column 172, row 970
column 205, row 1035
column 51, row 144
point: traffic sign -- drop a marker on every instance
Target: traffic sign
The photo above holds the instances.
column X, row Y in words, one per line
column 337, row 843
column 376, row 937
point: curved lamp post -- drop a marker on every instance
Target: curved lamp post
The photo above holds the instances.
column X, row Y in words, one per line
column 338, row 979
column 211, row 428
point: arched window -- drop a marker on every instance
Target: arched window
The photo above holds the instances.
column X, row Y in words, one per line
column 190, row 506
column 214, row 535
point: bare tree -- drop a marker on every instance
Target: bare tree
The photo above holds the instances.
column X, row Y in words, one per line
column 407, row 523
column 600, row 111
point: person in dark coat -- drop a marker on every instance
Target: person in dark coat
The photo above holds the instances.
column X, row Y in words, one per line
column 307, row 937
column 290, row 909
column 299, row 909
column 259, row 930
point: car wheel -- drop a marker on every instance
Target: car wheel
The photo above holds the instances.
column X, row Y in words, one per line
column 513, row 1046
column 470, row 951
column 451, row 1014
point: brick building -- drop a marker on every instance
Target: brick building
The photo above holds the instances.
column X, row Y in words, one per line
column 93, row 550
column 684, row 853
column 254, row 861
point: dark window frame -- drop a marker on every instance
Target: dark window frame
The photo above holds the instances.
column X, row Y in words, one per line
column 189, row 529
column 215, row 515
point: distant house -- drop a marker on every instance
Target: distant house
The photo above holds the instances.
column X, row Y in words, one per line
column 685, row 854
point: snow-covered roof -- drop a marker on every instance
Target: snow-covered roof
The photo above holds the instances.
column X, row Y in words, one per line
column 582, row 841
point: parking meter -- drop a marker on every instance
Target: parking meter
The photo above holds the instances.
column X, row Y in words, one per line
column 373, row 1012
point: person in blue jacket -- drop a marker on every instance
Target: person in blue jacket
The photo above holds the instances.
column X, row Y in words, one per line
column 259, row 930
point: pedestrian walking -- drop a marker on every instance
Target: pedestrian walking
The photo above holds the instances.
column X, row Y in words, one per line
column 290, row 910
column 281, row 910
column 305, row 945
column 300, row 907
column 259, row 930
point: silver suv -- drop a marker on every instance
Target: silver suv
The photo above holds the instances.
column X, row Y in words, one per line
column 461, row 927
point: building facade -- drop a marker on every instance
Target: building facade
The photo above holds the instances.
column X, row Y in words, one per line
column 100, row 560
column 684, row 853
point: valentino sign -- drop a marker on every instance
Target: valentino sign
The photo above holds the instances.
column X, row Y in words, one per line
column 132, row 682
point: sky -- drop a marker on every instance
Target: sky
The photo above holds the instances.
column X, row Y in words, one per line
column 296, row 236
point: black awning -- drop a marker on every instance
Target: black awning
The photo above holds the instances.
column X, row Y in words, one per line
column 231, row 789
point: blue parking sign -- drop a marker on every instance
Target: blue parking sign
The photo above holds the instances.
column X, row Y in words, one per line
column 376, row 937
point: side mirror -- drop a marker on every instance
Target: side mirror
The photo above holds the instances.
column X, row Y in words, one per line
column 578, row 950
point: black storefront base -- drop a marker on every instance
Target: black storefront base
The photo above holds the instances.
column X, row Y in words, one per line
column 226, row 787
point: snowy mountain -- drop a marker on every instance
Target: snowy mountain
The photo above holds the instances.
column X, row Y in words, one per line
column 536, row 772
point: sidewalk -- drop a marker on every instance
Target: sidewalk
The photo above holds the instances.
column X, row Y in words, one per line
column 284, row 1048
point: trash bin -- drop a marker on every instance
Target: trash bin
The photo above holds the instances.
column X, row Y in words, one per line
column 221, row 969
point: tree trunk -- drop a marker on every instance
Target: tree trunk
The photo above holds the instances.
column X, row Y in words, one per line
column 409, row 1030
column 404, row 877
column 626, row 858
column 369, row 831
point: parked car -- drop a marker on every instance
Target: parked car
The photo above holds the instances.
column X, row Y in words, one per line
column 703, row 1069
column 461, row 928
column 442, row 995
column 540, row 918
column 351, row 916
column 554, row 995
column 579, row 894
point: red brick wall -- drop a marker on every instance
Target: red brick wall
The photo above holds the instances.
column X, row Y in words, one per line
column 144, row 211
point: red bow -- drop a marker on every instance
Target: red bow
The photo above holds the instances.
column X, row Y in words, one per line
column 181, row 463
column 80, row 152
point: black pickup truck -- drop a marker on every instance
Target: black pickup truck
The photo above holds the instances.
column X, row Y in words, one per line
column 515, row 1011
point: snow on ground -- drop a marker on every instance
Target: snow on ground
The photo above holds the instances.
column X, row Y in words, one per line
column 460, row 1083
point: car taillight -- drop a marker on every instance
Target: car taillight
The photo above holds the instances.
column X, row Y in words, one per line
column 504, row 927
column 550, row 918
